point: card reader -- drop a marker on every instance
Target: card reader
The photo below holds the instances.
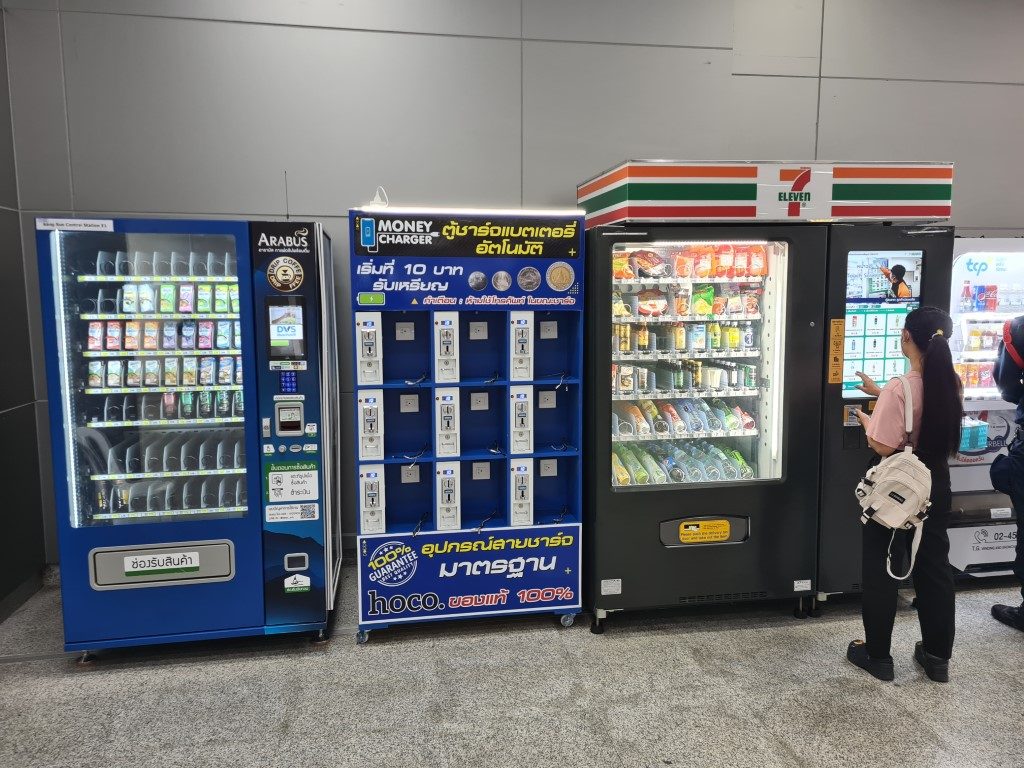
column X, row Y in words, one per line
column 288, row 419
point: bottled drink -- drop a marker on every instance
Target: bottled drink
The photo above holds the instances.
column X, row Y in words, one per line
column 694, row 472
column 655, row 472
column 632, row 464
column 967, row 297
column 746, row 473
column 620, row 475
column 205, row 404
column 714, row 335
column 725, row 414
column 730, row 470
column 748, row 335
column 657, row 423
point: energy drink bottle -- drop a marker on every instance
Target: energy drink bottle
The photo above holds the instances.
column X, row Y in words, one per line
column 620, row 475
column 205, row 404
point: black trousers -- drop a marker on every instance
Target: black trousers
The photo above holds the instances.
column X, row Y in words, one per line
column 933, row 578
column 1007, row 475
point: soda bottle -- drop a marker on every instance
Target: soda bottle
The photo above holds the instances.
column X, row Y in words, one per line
column 966, row 297
column 670, row 415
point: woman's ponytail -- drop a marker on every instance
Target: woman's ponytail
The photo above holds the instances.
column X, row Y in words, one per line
column 942, row 410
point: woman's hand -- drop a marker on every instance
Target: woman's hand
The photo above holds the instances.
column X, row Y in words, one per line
column 868, row 385
column 862, row 417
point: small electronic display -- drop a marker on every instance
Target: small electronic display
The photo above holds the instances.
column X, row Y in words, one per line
column 286, row 330
column 882, row 287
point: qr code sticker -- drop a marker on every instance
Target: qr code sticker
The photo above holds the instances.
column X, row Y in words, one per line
column 307, row 511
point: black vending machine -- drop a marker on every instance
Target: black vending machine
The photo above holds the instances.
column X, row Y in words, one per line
column 707, row 333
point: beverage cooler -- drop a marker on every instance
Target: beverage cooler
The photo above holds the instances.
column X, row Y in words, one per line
column 707, row 373
column 987, row 289
column 193, row 427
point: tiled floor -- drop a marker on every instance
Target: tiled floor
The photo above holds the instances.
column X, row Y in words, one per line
column 740, row 687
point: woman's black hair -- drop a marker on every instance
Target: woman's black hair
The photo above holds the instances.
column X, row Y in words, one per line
column 943, row 408
column 898, row 271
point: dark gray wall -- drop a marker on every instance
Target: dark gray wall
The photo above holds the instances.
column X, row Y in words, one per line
column 21, row 558
column 188, row 107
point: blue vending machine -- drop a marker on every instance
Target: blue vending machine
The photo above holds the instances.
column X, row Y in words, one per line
column 193, row 414
column 467, row 357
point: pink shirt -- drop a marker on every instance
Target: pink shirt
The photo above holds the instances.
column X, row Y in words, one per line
column 886, row 425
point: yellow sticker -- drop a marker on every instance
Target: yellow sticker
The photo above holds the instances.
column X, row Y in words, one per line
column 704, row 531
column 836, row 339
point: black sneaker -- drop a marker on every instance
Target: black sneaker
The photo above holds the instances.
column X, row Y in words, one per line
column 857, row 653
column 937, row 669
column 1009, row 615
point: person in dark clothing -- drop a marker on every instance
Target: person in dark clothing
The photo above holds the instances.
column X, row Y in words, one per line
column 937, row 396
column 1007, row 472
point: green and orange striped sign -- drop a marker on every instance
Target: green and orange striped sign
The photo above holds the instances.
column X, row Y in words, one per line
column 695, row 191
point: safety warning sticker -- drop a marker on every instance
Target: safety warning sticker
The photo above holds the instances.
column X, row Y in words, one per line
column 704, row 531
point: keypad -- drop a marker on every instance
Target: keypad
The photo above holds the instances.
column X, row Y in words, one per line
column 289, row 382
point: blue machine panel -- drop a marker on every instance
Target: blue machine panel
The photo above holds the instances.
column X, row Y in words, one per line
column 468, row 355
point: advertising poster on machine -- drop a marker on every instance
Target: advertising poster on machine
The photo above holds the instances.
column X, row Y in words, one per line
column 468, row 356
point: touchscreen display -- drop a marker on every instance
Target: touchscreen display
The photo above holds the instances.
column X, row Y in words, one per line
column 882, row 287
column 286, row 330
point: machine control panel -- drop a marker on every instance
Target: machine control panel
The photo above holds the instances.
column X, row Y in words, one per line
column 369, row 369
column 446, row 346
column 288, row 419
column 521, row 419
column 446, row 401
column 521, row 346
column 371, row 424
column 371, row 498
column 449, row 490
column 521, row 491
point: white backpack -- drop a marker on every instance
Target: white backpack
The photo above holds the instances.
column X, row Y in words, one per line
column 895, row 492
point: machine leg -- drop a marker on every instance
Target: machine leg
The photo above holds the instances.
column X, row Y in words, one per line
column 800, row 612
column 815, row 610
column 320, row 637
column 86, row 659
column 362, row 636
column 567, row 619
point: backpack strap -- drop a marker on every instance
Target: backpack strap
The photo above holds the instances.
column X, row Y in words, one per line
column 914, row 545
column 908, row 409
column 1008, row 345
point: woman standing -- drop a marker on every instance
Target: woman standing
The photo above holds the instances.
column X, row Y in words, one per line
column 937, row 410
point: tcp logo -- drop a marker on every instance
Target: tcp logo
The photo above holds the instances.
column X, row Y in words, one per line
column 796, row 197
column 976, row 267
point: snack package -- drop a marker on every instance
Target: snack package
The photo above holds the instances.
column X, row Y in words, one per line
column 150, row 334
column 95, row 377
column 115, row 373
column 621, row 270
column 221, row 302
column 130, row 298
column 189, row 371
column 186, row 297
column 171, row 366
column 133, row 378
column 205, row 340
column 188, row 334
column 132, row 335
column 207, row 371
column 649, row 264
column 238, row 371
column 95, row 339
column 652, row 303
column 113, row 341
column 223, row 334
column 758, row 263
column 718, row 306
column 151, row 373
column 734, row 304
column 225, row 370
column 682, row 303
column 167, row 297
column 703, row 301
column 619, row 308
column 741, row 258
column 752, row 302
column 723, row 264
column 702, row 258
column 147, row 298
column 682, row 262
column 204, row 298
column 237, row 339
column 170, row 335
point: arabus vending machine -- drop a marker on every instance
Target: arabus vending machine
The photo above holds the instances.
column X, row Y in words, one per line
column 706, row 369
column 193, row 410
column 467, row 355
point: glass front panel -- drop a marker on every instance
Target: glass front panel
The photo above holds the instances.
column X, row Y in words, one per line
column 151, row 366
column 988, row 289
column 882, row 287
column 698, row 335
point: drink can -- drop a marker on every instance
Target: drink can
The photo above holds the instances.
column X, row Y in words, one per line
column 734, row 376
column 749, row 376
column 642, row 378
column 991, row 298
column 643, row 338
column 627, row 379
column 748, row 335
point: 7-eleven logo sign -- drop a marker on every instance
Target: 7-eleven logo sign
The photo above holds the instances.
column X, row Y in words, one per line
column 796, row 197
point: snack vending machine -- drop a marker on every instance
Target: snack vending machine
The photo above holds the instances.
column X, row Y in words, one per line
column 705, row 372
column 193, row 410
column 468, row 353
column 986, row 290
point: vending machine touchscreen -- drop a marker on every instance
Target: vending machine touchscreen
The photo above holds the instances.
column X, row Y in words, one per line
column 286, row 338
column 882, row 287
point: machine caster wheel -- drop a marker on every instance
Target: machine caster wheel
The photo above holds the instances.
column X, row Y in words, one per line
column 320, row 638
column 597, row 626
column 567, row 619
column 362, row 636
column 86, row 660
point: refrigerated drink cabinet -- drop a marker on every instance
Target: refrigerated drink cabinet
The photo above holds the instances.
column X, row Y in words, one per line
column 706, row 370
column 193, row 427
